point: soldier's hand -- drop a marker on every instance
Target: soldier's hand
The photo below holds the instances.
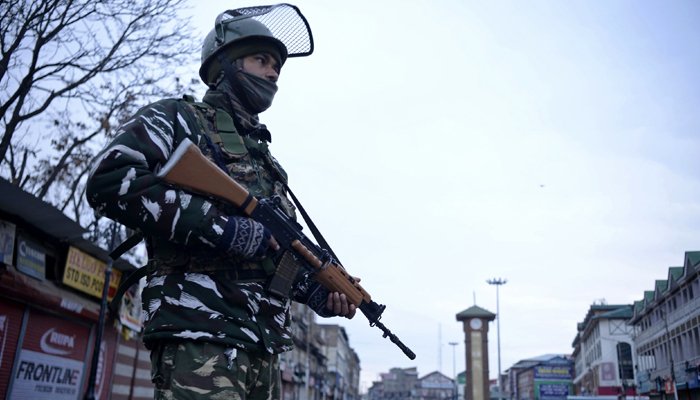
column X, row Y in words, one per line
column 246, row 237
column 339, row 305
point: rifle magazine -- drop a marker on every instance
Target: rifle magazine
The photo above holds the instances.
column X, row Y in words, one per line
column 281, row 283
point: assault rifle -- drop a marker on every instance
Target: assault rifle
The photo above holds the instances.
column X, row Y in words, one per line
column 188, row 168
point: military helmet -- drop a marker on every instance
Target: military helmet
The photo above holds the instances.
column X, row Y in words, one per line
column 280, row 29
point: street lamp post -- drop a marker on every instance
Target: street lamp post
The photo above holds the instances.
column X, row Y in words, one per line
column 454, row 368
column 498, row 282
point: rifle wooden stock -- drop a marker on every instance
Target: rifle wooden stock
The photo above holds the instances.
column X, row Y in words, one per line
column 188, row 168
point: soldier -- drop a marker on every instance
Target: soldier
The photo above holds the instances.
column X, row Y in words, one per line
column 212, row 328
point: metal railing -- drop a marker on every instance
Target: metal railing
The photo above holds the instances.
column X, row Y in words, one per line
column 681, row 314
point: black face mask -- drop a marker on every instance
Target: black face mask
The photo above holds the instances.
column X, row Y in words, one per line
column 255, row 93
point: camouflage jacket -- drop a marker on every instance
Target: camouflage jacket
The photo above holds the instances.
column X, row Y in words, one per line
column 193, row 291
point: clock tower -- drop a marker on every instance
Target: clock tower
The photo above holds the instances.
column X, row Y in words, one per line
column 475, row 321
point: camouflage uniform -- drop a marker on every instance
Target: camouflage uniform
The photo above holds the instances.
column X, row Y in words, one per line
column 199, row 303
column 186, row 370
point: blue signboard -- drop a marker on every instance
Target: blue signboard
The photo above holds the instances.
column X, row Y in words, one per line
column 31, row 258
column 554, row 372
column 553, row 391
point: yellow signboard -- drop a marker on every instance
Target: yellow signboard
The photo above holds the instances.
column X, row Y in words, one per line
column 87, row 274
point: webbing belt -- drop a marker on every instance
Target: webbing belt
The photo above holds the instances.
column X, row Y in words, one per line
column 135, row 276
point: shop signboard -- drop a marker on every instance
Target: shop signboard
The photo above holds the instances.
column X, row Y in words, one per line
column 51, row 362
column 608, row 375
column 130, row 311
column 669, row 387
column 554, row 372
column 31, row 258
column 87, row 274
column 7, row 242
column 553, row 390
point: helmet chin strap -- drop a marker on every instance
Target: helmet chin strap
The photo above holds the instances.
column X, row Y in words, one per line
column 227, row 65
column 230, row 74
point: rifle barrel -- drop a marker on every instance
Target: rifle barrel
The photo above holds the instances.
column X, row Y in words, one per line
column 394, row 339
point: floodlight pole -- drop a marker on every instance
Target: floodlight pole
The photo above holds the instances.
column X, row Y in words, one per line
column 498, row 282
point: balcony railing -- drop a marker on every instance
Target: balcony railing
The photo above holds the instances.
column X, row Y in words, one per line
column 684, row 371
column 681, row 314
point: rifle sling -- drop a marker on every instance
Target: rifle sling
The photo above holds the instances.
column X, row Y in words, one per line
column 126, row 245
column 317, row 234
column 134, row 277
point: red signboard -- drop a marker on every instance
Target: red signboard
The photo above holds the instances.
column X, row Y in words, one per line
column 669, row 387
column 51, row 363
column 10, row 324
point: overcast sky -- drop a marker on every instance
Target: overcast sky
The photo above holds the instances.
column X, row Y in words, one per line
column 441, row 143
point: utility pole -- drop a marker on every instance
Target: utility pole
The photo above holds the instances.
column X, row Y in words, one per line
column 454, row 368
column 104, row 310
column 498, row 282
column 670, row 355
column 309, row 334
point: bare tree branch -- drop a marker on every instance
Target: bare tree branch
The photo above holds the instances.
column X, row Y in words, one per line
column 51, row 49
column 70, row 70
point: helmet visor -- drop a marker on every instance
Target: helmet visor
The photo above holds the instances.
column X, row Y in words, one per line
column 286, row 23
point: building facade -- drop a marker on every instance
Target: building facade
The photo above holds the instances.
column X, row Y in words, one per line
column 343, row 372
column 322, row 364
column 404, row 384
column 397, row 384
column 51, row 283
column 547, row 377
column 604, row 352
column 666, row 325
column 435, row 386
column 302, row 367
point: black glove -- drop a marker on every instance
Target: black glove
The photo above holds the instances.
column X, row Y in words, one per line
column 245, row 237
column 314, row 295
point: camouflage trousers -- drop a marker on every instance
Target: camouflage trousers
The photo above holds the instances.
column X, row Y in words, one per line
column 197, row 370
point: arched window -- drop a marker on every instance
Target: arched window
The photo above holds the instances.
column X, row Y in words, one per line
column 624, row 361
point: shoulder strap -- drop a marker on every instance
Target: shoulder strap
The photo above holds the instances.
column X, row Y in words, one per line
column 314, row 230
column 225, row 133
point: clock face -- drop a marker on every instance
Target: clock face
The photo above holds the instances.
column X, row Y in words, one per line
column 475, row 323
